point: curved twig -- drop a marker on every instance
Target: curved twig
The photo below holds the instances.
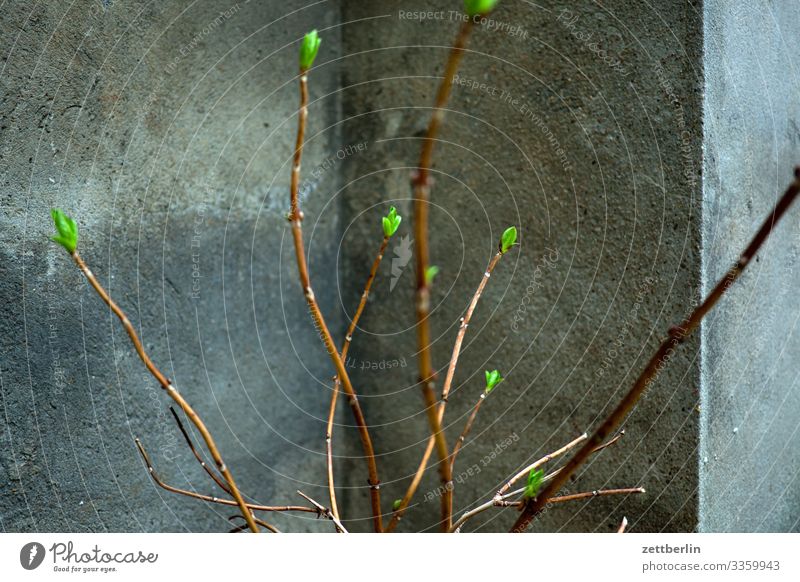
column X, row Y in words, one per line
column 211, row 499
column 296, row 220
column 348, row 338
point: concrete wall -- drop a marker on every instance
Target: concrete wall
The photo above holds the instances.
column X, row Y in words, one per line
column 167, row 130
column 751, row 403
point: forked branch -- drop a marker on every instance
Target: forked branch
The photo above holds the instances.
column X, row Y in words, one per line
column 296, row 220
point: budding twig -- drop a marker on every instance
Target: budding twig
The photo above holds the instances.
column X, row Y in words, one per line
column 499, row 499
column 502, row 501
column 435, row 437
column 348, row 338
column 296, row 219
column 675, row 336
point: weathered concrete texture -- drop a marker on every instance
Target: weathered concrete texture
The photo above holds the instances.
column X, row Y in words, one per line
column 750, row 443
column 166, row 130
column 599, row 164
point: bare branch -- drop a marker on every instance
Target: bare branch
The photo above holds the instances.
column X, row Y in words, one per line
column 210, row 499
column 675, row 336
column 324, row 511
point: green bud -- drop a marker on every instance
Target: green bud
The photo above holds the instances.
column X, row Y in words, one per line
column 479, row 7
column 67, row 230
column 534, row 483
column 396, row 504
column 430, row 273
column 308, row 49
column 391, row 222
column 509, row 239
column 493, row 378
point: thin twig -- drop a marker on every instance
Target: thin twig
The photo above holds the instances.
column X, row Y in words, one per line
column 462, row 330
column 596, row 493
column 623, row 525
column 348, row 338
column 502, row 501
column 676, row 336
column 538, row 463
column 325, row 511
column 465, row 432
column 503, row 493
column 296, row 220
column 422, row 184
column 197, row 455
column 170, row 389
column 260, row 522
column 211, row 499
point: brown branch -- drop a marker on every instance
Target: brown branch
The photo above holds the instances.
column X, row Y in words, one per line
column 623, row 525
column 197, row 455
column 467, row 427
column 676, row 336
column 434, row 438
column 422, row 185
column 170, row 389
column 577, row 496
column 502, row 501
column 208, row 498
column 260, row 522
column 538, row 463
column 348, row 338
column 596, row 493
column 503, row 494
column 296, row 220
column 326, row 512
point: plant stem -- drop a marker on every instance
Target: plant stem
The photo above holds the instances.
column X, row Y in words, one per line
column 536, row 464
column 422, row 185
column 623, row 525
column 503, row 493
column 260, row 522
column 325, row 511
column 296, row 220
column 676, row 336
column 222, row 485
column 170, row 390
column 501, row 500
column 348, row 338
column 462, row 330
column 465, row 432
column 208, row 498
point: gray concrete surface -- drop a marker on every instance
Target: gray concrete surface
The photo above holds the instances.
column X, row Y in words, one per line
column 167, row 128
column 750, row 442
